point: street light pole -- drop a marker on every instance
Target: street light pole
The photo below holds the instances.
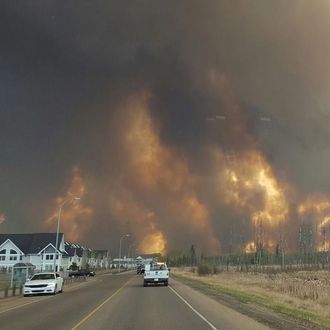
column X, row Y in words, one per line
column 126, row 235
column 130, row 254
column 58, row 225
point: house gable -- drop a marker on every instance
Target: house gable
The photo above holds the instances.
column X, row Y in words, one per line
column 33, row 243
column 50, row 248
column 9, row 245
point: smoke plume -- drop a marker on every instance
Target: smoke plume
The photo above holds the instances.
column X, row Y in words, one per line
column 184, row 122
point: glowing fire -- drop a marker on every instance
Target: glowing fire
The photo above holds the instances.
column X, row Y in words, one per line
column 325, row 222
column 75, row 218
column 162, row 174
column 314, row 203
column 153, row 164
column 250, row 247
column 153, row 243
column 316, row 210
column 144, row 222
column 251, row 184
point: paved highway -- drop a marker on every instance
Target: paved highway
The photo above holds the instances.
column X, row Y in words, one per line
column 121, row 302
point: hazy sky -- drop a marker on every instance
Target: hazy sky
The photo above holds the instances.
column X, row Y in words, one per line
column 117, row 102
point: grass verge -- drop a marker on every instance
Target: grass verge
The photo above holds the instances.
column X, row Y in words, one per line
column 264, row 301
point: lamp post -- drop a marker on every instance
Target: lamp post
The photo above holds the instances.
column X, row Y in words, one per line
column 58, row 225
column 126, row 235
column 130, row 254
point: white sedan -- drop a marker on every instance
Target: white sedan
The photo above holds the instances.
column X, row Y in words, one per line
column 39, row 283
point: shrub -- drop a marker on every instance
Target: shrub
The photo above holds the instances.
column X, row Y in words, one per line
column 204, row 269
column 215, row 270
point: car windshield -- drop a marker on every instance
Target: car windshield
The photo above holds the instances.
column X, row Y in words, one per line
column 43, row 277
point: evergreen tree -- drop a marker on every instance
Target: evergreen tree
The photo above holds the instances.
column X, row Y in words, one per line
column 193, row 256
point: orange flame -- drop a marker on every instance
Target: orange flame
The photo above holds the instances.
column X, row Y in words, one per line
column 314, row 203
column 144, row 222
column 250, row 247
column 316, row 209
column 249, row 184
column 161, row 173
column 153, row 243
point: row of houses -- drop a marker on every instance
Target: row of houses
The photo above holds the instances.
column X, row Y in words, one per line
column 39, row 250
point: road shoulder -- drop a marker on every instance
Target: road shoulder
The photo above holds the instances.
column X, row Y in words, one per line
column 259, row 313
column 222, row 316
column 11, row 303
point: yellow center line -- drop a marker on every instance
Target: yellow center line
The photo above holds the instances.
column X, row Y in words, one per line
column 19, row 306
column 98, row 307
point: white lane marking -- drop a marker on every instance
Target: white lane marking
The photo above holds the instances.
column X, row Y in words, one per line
column 194, row 310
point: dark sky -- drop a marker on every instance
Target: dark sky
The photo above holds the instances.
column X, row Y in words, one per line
column 117, row 101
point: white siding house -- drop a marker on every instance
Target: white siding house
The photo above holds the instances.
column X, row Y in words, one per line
column 10, row 254
column 37, row 249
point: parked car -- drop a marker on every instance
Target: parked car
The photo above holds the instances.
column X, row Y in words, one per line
column 78, row 273
column 43, row 283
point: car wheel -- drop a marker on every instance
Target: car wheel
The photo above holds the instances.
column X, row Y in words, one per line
column 55, row 290
column 61, row 291
column 165, row 283
column 144, row 284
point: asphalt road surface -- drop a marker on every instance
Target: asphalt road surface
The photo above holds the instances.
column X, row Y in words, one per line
column 121, row 302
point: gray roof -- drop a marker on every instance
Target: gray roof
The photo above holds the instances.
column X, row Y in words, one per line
column 31, row 243
column 74, row 249
column 24, row 265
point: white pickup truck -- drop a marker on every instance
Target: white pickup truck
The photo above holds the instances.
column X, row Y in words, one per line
column 155, row 273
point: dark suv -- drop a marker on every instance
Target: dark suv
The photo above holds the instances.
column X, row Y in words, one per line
column 78, row 273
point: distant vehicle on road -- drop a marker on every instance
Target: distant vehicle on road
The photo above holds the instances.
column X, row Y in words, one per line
column 156, row 273
column 140, row 269
column 43, row 283
column 78, row 273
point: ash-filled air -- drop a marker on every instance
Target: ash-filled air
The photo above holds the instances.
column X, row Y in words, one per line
column 179, row 123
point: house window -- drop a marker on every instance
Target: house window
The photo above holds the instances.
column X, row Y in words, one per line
column 49, row 257
column 13, row 257
column 2, row 255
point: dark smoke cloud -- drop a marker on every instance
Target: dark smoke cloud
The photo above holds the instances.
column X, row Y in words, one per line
column 68, row 67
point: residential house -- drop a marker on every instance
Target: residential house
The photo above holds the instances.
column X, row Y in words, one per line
column 99, row 259
column 35, row 248
column 78, row 254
